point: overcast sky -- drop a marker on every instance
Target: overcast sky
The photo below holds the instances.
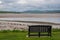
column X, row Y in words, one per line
column 24, row 5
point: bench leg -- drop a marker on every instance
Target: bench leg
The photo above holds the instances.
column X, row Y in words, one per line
column 49, row 34
column 39, row 34
column 28, row 34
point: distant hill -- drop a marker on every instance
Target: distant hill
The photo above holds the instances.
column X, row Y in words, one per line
column 43, row 11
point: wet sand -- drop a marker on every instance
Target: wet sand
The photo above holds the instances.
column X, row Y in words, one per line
column 57, row 15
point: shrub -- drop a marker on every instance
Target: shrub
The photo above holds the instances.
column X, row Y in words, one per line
column 56, row 30
column 15, row 30
column 5, row 31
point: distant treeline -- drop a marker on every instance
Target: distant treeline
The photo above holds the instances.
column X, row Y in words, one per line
column 33, row 11
column 8, row 12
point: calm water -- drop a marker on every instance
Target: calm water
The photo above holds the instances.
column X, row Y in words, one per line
column 55, row 20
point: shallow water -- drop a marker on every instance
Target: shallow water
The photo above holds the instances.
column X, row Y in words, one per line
column 55, row 20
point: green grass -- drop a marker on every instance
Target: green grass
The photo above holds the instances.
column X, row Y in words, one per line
column 21, row 35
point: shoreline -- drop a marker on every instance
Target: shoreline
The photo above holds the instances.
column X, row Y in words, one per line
column 8, row 25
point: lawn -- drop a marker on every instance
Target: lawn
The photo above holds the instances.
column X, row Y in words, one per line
column 22, row 36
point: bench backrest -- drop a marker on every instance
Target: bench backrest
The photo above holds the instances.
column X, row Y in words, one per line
column 40, row 28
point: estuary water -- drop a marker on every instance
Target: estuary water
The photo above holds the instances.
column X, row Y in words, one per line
column 46, row 17
column 54, row 20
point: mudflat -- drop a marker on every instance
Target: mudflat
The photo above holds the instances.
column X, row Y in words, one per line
column 12, row 15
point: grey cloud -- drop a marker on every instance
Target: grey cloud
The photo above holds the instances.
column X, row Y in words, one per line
column 12, row 5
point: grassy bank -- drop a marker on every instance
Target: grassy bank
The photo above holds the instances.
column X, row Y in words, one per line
column 21, row 35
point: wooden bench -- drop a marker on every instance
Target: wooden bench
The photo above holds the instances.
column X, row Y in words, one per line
column 42, row 30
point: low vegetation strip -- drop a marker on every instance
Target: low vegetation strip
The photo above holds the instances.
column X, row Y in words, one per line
column 21, row 35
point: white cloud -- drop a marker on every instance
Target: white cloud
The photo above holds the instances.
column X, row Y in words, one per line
column 22, row 2
column 0, row 2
